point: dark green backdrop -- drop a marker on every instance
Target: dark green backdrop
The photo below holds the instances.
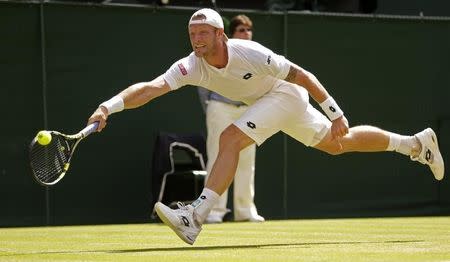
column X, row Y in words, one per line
column 59, row 61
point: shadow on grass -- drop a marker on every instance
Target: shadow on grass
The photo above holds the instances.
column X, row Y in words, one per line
column 206, row 248
column 199, row 248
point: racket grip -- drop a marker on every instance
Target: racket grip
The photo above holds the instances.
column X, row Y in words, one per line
column 89, row 129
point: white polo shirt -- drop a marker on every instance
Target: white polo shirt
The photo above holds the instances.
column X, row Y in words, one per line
column 252, row 71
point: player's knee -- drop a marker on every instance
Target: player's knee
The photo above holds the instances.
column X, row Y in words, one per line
column 334, row 149
column 227, row 141
column 232, row 138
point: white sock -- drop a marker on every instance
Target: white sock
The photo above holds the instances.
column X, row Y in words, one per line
column 402, row 144
column 204, row 204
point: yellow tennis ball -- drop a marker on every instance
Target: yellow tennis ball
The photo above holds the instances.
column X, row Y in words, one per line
column 44, row 137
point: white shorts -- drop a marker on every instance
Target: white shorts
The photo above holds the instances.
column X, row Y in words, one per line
column 285, row 108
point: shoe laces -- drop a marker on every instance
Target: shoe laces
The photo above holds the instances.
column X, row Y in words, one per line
column 182, row 206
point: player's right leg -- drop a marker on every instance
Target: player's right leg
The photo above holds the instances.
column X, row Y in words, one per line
column 244, row 187
column 182, row 221
column 232, row 141
column 187, row 220
column 219, row 115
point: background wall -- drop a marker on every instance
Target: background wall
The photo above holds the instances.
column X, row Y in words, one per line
column 59, row 61
column 414, row 7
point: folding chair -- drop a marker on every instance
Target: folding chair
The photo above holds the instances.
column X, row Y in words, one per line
column 178, row 168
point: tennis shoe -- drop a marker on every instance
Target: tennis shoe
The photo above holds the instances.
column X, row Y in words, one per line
column 430, row 154
column 182, row 220
column 213, row 219
column 255, row 218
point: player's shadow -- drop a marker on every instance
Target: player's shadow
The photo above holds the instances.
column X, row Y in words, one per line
column 306, row 244
column 189, row 248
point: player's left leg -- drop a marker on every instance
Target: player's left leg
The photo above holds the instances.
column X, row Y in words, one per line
column 422, row 147
column 312, row 128
column 429, row 153
column 362, row 139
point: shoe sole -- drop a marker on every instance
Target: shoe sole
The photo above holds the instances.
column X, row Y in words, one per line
column 437, row 155
column 159, row 207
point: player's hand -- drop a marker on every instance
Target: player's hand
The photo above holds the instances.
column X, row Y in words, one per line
column 100, row 115
column 339, row 127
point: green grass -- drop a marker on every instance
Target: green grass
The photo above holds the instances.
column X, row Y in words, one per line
column 374, row 239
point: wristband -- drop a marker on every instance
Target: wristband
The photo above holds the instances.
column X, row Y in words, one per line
column 113, row 105
column 331, row 109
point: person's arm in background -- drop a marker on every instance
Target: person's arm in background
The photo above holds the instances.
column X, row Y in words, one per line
column 203, row 95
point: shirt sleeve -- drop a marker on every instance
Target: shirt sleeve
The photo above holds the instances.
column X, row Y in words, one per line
column 181, row 73
column 279, row 65
column 271, row 63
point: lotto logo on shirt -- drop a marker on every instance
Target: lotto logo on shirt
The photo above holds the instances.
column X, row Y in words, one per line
column 269, row 58
column 182, row 69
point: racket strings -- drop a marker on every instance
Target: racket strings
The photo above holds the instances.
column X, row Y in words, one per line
column 49, row 162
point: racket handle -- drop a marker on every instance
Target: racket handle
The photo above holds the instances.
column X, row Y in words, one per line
column 89, row 129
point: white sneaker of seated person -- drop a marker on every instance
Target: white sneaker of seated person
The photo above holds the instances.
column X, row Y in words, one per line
column 215, row 218
column 182, row 221
column 430, row 154
column 254, row 218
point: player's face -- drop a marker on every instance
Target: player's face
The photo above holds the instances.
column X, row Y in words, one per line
column 203, row 39
column 243, row 32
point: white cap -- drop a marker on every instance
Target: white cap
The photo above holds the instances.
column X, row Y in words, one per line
column 211, row 18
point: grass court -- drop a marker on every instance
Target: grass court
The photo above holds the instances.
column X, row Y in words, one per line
column 365, row 239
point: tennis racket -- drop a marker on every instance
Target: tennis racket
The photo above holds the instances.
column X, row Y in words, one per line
column 51, row 162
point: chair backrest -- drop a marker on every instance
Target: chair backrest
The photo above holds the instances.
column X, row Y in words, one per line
column 184, row 157
column 175, row 152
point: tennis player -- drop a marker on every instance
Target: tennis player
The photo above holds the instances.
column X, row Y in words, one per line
column 277, row 92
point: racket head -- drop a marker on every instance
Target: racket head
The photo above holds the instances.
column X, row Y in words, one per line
column 49, row 163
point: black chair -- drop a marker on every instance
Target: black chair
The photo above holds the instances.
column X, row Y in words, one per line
column 178, row 168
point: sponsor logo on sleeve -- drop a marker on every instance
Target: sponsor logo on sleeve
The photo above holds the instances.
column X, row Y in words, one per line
column 182, row 69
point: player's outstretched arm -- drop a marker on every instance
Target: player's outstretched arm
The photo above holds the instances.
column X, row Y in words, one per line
column 141, row 93
column 132, row 97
